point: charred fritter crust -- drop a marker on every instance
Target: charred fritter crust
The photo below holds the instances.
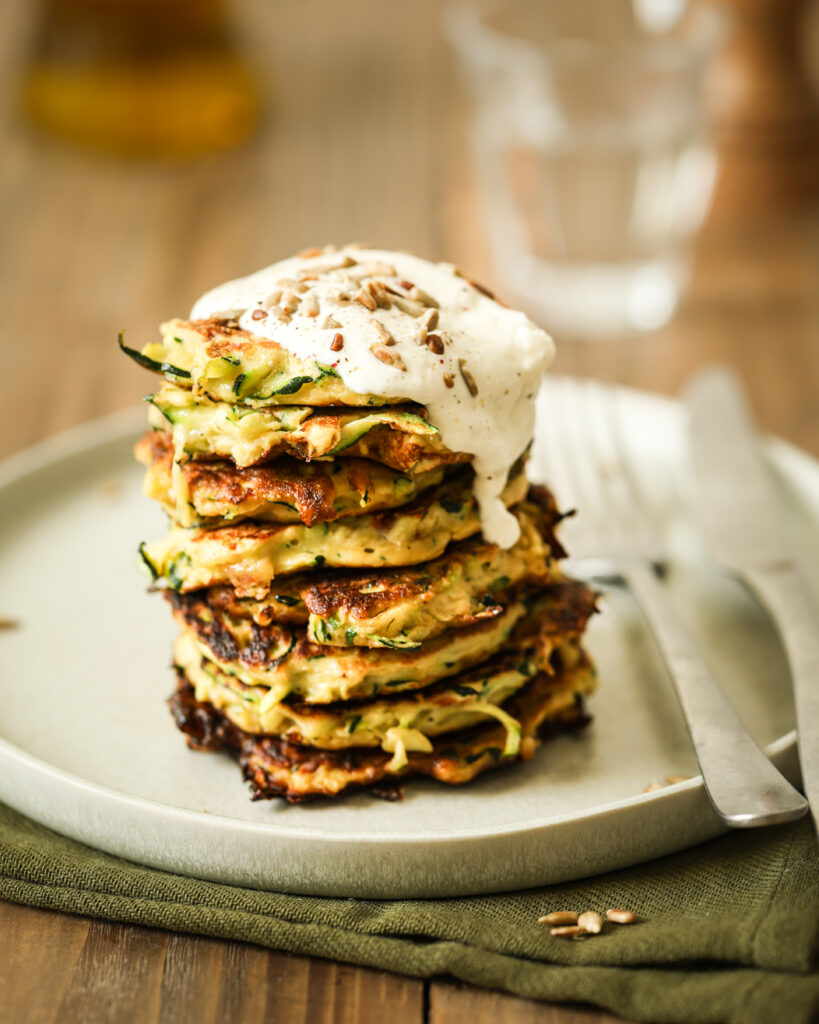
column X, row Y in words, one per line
column 217, row 358
column 397, row 436
column 283, row 491
column 400, row 608
column 278, row 768
column 249, row 556
column 285, row 659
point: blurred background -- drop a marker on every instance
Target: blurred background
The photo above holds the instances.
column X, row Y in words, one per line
column 641, row 175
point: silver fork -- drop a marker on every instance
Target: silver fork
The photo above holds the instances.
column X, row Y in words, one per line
column 589, row 468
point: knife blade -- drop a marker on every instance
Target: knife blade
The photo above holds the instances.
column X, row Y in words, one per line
column 744, row 521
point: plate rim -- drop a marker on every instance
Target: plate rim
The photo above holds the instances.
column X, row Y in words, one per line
column 114, row 428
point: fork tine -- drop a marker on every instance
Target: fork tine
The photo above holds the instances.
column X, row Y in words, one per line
column 552, row 452
column 579, row 465
column 632, row 501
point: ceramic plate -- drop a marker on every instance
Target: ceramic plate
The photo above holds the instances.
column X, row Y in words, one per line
column 87, row 746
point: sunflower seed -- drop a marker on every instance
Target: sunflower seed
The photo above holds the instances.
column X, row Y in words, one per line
column 330, row 265
column 406, row 306
column 380, row 270
column 569, row 931
column 559, row 917
column 481, row 288
column 366, row 300
column 310, row 305
column 590, row 921
column 379, row 293
column 419, row 295
column 621, row 916
column 672, row 780
column 330, row 323
column 290, row 302
column 307, row 254
column 273, row 298
column 383, row 334
column 469, row 380
column 430, row 319
column 387, row 356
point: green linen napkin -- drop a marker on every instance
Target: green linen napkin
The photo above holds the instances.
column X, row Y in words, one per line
column 727, row 932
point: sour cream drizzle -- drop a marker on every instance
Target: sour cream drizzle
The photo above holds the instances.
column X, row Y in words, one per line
column 479, row 390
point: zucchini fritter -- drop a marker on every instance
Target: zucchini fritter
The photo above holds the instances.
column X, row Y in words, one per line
column 276, row 767
column 398, row 436
column 249, row 556
column 263, row 666
column 219, row 359
column 283, row 491
column 402, row 608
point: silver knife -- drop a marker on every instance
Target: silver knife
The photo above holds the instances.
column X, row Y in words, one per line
column 743, row 519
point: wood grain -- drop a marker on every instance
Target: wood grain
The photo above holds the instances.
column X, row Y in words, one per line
column 69, row 970
column 451, row 1003
column 365, row 139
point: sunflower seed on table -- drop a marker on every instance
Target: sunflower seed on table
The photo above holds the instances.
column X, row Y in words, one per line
column 569, row 931
column 621, row 916
column 558, row 917
column 590, row 921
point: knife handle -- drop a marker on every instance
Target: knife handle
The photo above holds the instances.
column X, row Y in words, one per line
column 782, row 590
column 745, row 788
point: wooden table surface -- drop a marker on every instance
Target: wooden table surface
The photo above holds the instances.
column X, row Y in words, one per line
column 374, row 149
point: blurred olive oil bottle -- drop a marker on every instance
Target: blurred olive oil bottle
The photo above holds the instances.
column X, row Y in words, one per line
column 141, row 78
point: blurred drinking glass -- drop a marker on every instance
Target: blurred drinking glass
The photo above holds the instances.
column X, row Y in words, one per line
column 139, row 77
column 591, row 143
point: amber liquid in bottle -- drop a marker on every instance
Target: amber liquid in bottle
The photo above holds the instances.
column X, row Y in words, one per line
column 154, row 78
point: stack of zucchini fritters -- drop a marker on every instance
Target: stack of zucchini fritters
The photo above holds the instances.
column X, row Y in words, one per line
column 343, row 621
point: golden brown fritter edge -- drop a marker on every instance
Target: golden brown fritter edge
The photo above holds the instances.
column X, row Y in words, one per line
column 557, row 613
column 309, row 490
column 355, row 596
column 276, row 768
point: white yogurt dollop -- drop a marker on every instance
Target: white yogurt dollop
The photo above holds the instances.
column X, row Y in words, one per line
column 433, row 338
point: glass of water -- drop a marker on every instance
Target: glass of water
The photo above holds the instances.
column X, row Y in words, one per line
column 591, row 145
